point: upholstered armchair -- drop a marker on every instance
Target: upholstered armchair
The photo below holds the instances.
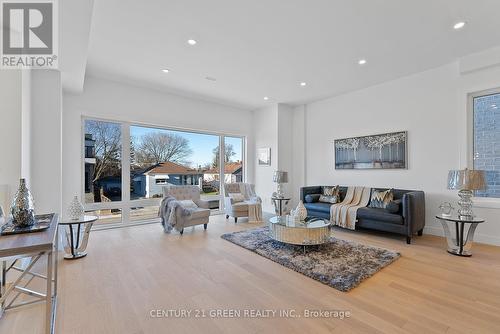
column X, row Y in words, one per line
column 200, row 215
column 236, row 203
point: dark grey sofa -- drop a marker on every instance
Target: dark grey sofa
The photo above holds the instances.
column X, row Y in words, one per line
column 409, row 220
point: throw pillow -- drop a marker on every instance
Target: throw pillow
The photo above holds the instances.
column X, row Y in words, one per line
column 380, row 199
column 311, row 198
column 236, row 197
column 331, row 191
column 188, row 204
column 393, row 206
column 329, row 199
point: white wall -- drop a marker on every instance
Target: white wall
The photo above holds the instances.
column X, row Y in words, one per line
column 298, row 151
column 30, row 136
column 46, row 141
column 117, row 101
column 10, row 134
column 265, row 124
column 285, row 145
column 431, row 106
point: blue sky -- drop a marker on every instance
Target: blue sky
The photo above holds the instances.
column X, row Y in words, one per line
column 201, row 144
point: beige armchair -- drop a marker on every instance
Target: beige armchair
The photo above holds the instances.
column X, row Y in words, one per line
column 236, row 204
column 198, row 217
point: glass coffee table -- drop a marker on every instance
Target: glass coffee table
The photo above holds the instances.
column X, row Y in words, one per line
column 315, row 231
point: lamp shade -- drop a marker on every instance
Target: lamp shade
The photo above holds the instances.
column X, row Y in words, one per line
column 466, row 179
column 280, row 177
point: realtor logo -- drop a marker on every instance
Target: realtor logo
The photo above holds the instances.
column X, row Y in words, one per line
column 29, row 34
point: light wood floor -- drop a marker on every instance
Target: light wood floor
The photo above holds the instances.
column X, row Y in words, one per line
column 131, row 271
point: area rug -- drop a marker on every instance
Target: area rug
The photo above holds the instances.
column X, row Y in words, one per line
column 340, row 264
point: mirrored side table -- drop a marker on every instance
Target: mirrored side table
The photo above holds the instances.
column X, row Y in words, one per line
column 460, row 240
column 76, row 241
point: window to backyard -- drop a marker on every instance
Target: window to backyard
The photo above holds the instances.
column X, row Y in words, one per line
column 130, row 189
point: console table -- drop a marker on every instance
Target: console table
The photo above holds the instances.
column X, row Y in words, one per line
column 35, row 246
column 459, row 243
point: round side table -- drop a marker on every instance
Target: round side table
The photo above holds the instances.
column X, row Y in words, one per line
column 75, row 249
column 460, row 242
column 278, row 204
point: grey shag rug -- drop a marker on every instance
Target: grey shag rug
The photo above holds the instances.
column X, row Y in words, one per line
column 341, row 264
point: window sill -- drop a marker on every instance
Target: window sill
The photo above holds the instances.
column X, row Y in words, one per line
column 483, row 202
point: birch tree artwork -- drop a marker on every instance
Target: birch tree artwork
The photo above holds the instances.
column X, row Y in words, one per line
column 371, row 152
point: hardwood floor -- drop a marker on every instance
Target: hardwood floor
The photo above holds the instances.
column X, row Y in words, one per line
column 131, row 271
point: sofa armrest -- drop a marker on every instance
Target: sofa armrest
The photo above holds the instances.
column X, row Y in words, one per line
column 414, row 211
column 202, row 204
column 309, row 190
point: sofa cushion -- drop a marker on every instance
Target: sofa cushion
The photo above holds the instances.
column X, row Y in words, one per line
column 199, row 213
column 311, row 198
column 318, row 206
column 236, row 197
column 379, row 214
column 394, row 206
column 240, row 207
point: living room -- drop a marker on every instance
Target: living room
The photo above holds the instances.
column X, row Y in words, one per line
column 235, row 166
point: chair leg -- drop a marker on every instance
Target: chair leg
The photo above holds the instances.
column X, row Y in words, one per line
column 182, row 231
column 205, row 226
column 227, row 216
column 408, row 240
column 235, row 220
column 420, row 232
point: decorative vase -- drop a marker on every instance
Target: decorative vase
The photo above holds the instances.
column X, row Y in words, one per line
column 75, row 209
column 301, row 211
column 23, row 207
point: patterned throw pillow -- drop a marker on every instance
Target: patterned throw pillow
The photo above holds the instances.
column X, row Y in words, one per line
column 380, row 199
column 329, row 199
column 331, row 191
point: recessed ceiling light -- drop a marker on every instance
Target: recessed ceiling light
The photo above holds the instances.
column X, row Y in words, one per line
column 266, row 98
column 362, row 61
column 303, row 84
column 165, row 70
column 459, row 25
column 191, row 42
column 211, row 78
column 493, row 105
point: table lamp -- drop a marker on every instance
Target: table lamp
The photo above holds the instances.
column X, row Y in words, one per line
column 280, row 177
column 466, row 181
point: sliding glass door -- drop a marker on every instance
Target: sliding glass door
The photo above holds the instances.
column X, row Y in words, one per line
column 130, row 189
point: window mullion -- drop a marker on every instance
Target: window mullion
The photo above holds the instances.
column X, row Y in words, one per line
column 125, row 172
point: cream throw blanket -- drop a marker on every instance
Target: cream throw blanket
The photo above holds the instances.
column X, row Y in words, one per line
column 344, row 214
column 253, row 201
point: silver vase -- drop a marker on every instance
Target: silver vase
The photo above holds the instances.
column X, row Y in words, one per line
column 23, row 208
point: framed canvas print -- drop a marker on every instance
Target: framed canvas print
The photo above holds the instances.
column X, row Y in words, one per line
column 384, row 151
column 264, row 156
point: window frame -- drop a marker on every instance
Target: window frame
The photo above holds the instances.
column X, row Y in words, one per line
column 480, row 202
column 126, row 204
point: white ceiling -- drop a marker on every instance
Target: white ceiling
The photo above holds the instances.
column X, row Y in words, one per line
column 258, row 48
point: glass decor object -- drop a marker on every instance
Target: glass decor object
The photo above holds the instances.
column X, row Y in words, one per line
column 446, row 209
column 75, row 209
column 466, row 181
column 301, row 211
column 23, row 207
